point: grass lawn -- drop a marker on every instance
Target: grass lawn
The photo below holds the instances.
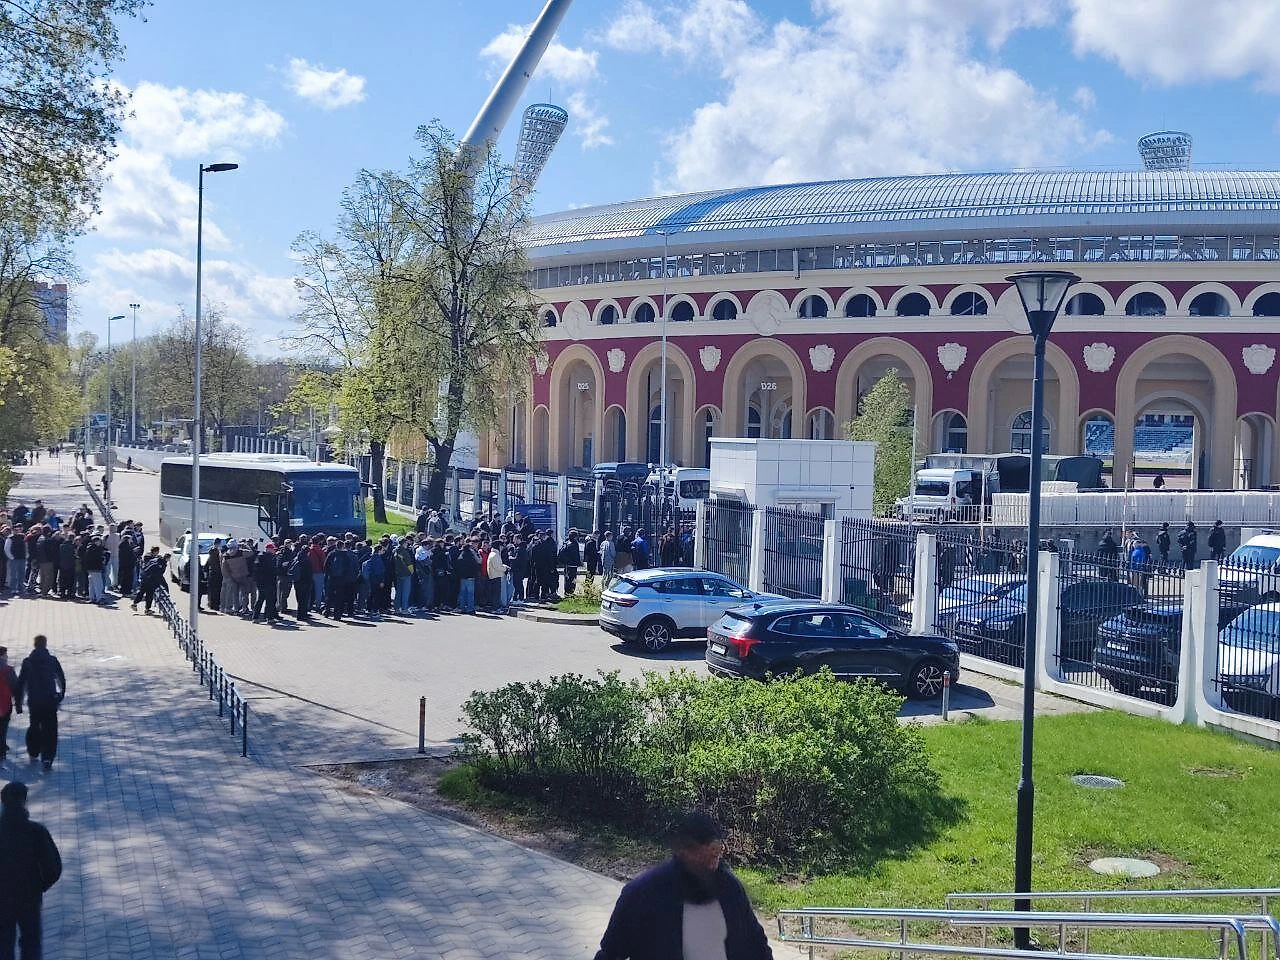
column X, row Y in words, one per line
column 394, row 525
column 1202, row 805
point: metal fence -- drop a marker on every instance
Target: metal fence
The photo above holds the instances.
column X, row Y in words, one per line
column 793, row 553
column 231, row 702
column 728, row 538
column 1121, row 622
column 1248, row 673
column 981, row 590
column 877, row 568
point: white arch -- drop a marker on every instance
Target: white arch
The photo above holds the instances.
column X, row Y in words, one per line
column 610, row 302
column 1209, row 286
column 676, row 298
column 968, row 288
column 804, row 295
column 853, row 292
column 1147, row 286
column 1257, row 293
column 717, row 298
column 635, row 306
column 892, row 305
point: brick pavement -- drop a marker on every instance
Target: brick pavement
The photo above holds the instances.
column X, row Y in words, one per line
column 176, row 847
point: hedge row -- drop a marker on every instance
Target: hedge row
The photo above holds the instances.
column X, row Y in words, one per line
column 800, row 771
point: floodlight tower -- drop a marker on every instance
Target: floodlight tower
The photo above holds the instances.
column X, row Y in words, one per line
column 493, row 116
column 1166, row 150
column 540, row 131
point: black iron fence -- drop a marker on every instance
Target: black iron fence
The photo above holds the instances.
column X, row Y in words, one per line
column 1248, row 673
column 793, row 553
column 1121, row 621
column 231, row 703
column 728, row 538
column 981, row 591
column 877, row 568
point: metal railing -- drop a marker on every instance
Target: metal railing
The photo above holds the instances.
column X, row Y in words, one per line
column 231, row 702
column 877, row 568
column 980, row 605
column 1262, row 896
column 1120, row 623
column 1232, row 929
column 793, row 553
column 728, row 538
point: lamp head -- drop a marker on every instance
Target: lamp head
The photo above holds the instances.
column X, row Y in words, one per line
column 118, row 316
column 219, row 167
column 1042, row 293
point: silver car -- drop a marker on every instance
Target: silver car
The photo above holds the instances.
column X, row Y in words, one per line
column 653, row 607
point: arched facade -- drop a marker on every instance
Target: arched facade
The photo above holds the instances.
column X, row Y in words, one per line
column 644, row 388
column 576, row 391
column 765, row 362
column 992, row 402
column 911, row 366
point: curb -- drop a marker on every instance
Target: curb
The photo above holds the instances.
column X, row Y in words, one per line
column 564, row 619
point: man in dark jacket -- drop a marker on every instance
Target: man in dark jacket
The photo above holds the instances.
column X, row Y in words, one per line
column 1217, row 541
column 691, row 906
column 1188, row 540
column 264, row 578
column 29, row 866
column 467, row 568
column 1163, row 541
column 570, row 558
column 150, row 580
column 43, row 685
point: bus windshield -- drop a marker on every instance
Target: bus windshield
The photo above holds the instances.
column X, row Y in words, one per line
column 326, row 500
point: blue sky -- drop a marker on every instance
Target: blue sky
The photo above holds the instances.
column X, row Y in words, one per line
column 663, row 97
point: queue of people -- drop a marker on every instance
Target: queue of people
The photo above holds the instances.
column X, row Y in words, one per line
column 76, row 559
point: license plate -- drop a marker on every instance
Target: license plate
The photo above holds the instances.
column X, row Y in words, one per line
column 719, row 648
column 1118, row 645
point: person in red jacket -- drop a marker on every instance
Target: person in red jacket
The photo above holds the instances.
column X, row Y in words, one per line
column 8, row 686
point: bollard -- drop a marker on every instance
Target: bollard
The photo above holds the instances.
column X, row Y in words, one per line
column 946, row 694
column 422, row 725
column 232, row 698
column 244, row 729
column 222, row 690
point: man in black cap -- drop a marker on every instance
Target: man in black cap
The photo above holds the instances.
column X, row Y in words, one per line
column 692, row 906
column 29, row 866
column 43, row 684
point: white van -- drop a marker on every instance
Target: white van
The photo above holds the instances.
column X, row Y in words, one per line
column 689, row 484
column 942, row 493
column 1251, row 571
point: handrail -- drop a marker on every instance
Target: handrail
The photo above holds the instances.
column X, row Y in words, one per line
column 1233, row 925
column 1263, row 895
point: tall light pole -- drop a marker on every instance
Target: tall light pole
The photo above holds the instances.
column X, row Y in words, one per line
column 1042, row 293
column 106, row 445
column 133, row 380
column 197, row 413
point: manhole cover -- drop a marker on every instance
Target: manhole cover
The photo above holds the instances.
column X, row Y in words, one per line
column 1096, row 781
column 1124, row 867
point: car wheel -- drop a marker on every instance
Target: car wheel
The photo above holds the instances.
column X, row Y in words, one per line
column 655, row 634
column 925, row 680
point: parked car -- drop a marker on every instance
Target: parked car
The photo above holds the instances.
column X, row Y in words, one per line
column 987, row 586
column 655, row 606
column 181, row 552
column 1251, row 572
column 1137, row 652
column 780, row 637
column 1249, row 661
column 995, row 627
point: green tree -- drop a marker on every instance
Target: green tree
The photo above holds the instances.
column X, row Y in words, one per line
column 59, row 113
column 885, row 416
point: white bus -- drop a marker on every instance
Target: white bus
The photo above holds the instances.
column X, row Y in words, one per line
column 258, row 495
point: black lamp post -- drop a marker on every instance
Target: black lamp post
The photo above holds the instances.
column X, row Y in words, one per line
column 1042, row 293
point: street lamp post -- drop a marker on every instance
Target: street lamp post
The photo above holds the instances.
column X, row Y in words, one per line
column 662, row 427
column 197, row 418
column 106, row 446
column 133, row 380
column 1042, row 293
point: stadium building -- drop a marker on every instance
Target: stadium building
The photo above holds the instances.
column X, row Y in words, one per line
column 784, row 304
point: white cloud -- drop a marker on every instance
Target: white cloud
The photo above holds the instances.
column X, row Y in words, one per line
column 574, row 67
column 178, row 122
column 1179, row 41
column 326, row 89
column 569, row 65
column 873, row 87
column 1084, row 98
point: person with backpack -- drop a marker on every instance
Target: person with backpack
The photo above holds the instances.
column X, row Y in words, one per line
column 43, row 685
column 1188, row 540
column 299, row 572
column 29, row 866
column 151, row 580
column 8, row 690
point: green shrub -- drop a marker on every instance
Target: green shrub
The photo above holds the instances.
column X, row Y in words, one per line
column 800, row 770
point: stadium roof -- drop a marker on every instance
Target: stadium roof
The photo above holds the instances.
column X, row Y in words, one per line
column 1052, row 203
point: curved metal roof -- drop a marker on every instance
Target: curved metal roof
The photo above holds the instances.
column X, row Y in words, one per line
column 1071, row 201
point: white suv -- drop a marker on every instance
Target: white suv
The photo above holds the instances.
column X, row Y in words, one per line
column 653, row 607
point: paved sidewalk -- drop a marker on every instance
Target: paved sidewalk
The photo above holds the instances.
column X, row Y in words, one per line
column 176, row 847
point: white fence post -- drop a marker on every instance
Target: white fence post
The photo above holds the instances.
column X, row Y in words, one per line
column 455, row 497
column 528, row 486
column 502, row 494
column 699, row 529
column 755, row 565
column 831, row 561
column 1200, row 620
column 562, row 508
column 924, row 599
column 597, row 497
column 1048, row 625
column 417, row 487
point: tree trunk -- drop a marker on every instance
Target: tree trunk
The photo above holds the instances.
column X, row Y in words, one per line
column 377, row 453
column 442, row 454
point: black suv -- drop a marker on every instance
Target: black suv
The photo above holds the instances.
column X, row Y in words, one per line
column 780, row 637
column 995, row 627
column 1137, row 652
